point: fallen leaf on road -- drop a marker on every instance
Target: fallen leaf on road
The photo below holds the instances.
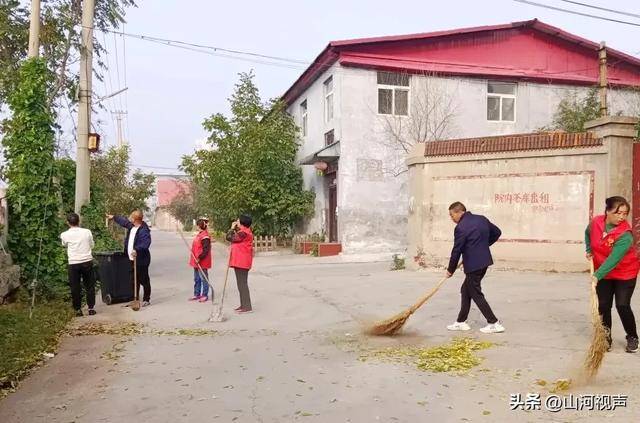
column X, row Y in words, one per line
column 486, row 413
column 301, row 380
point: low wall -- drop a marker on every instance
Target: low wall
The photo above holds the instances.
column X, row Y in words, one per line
column 541, row 190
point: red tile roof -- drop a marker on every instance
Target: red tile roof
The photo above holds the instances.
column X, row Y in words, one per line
column 527, row 50
column 506, row 143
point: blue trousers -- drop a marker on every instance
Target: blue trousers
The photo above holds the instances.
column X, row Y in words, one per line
column 200, row 285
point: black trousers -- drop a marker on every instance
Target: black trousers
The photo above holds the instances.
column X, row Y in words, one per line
column 242, row 276
column 143, row 280
column 82, row 273
column 471, row 290
column 607, row 290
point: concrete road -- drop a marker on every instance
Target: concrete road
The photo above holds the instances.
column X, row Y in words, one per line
column 296, row 358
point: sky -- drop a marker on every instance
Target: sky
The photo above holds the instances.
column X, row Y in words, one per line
column 171, row 91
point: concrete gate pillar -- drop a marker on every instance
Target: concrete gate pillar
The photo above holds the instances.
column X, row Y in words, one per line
column 618, row 134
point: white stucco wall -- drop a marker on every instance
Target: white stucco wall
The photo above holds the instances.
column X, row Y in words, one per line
column 372, row 190
column 317, row 126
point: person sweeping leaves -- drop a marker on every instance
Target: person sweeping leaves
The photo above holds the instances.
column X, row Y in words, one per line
column 201, row 260
column 472, row 237
column 609, row 243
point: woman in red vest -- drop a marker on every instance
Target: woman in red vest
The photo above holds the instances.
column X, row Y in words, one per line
column 609, row 242
column 201, row 261
column 241, row 258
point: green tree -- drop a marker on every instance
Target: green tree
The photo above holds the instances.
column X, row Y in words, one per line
column 123, row 190
column 93, row 214
column 251, row 166
column 573, row 111
column 60, row 41
column 29, row 148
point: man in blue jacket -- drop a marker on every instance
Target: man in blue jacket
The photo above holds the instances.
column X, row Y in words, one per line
column 472, row 237
column 136, row 246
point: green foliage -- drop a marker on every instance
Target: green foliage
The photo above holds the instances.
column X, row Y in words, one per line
column 251, row 168
column 29, row 145
column 23, row 340
column 15, row 37
column 122, row 191
column 111, row 189
column 93, row 218
column 398, row 262
column 573, row 111
column 60, row 36
column 66, row 180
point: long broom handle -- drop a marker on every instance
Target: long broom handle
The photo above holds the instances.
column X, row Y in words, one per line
column 195, row 259
column 424, row 299
column 224, row 288
column 429, row 295
column 135, row 278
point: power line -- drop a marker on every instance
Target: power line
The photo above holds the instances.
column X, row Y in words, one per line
column 211, row 53
column 559, row 9
column 214, row 48
column 619, row 12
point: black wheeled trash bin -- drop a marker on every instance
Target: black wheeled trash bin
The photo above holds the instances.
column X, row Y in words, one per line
column 115, row 277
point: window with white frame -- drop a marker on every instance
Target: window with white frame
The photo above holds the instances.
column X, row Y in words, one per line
column 303, row 117
column 328, row 99
column 393, row 93
column 501, row 101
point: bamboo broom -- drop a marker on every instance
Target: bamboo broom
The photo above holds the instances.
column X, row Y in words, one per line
column 392, row 325
column 599, row 344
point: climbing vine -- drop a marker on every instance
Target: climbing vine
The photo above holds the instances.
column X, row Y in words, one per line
column 29, row 149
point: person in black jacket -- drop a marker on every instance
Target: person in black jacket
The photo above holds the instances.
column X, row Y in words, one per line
column 136, row 245
column 472, row 237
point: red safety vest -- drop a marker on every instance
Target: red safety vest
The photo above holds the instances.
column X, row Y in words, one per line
column 242, row 252
column 602, row 245
column 196, row 250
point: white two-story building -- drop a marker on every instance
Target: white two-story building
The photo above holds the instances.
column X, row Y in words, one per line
column 363, row 103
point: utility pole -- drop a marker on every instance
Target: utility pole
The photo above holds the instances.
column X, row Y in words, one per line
column 602, row 55
column 83, row 164
column 119, row 113
column 34, row 29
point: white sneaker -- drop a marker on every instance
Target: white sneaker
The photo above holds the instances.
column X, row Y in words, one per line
column 459, row 326
column 492, row 328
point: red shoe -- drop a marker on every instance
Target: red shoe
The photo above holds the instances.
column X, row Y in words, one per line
column 195, row 298
column 237, row 308
column 244, row 311
column 203, row 299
